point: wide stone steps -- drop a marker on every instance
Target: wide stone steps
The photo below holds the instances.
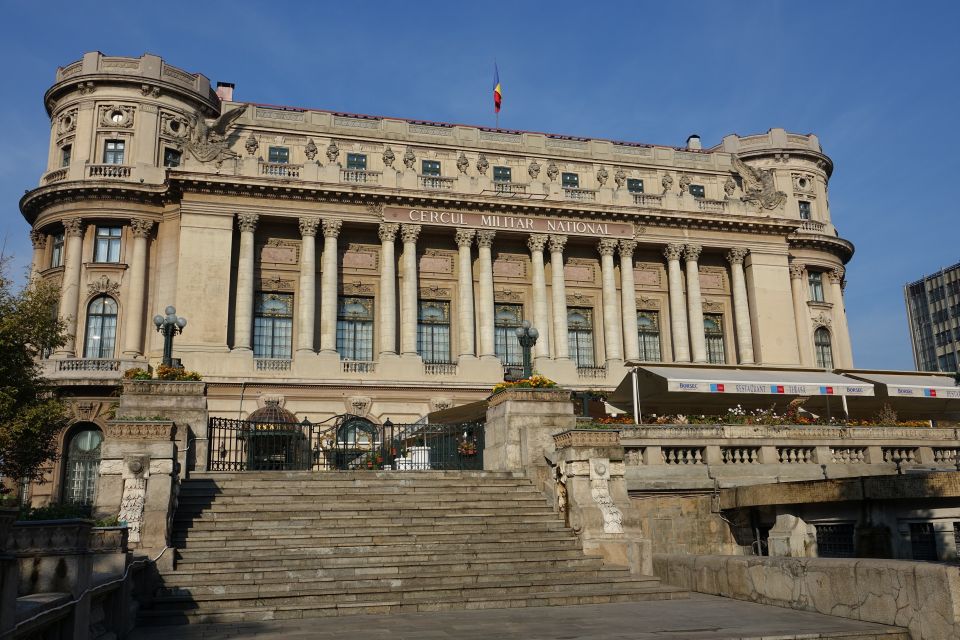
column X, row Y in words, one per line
column 213, row 539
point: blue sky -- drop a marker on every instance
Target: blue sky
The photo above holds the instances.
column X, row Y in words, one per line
column 876, row 81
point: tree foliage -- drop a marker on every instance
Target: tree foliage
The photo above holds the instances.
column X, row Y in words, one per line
column 30, row 415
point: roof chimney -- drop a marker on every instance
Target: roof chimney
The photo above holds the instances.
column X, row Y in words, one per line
column 693, row 140
column 225, row 91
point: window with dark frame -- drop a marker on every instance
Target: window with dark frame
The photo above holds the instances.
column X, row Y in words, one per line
column 355, row 328
column 101, row 329
column 713, row 333
column 815, row 279
column 835, row 540
column 106, row 246
column 502, row 174
column 804, row 209
column 356, row 162
column 580, row 336
column 171, row 157
column 279, row 155
column 634, row 185
column 433, row 331
column 113, row 151
column 697, row 191
column 66, row 151
column 570, row 180
column 56, row 254
column 648, row 333
column 823, row 347
column 507, row 317
column 273, row 326
column 430, row 168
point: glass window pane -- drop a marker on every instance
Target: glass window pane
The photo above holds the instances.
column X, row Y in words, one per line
column 430, row 168
column 804, row 210
column 273, row 325
column 65, row 154
column 507, row 317
column 634, row 185
column 815, row 278
column 56, row 256
column 648, row 326
column 570, row 180
column 823, row 347
column 355, row 328
column 502, row 174
column 279, row 154
column 697, row 191
column 107, row 245
column 356, row 161
column 101, row 328
column 713, row 332
column 433, row 331
column 580, row 335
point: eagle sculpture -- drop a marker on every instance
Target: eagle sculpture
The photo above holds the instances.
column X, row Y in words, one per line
column 208, row 141
column 758, row 185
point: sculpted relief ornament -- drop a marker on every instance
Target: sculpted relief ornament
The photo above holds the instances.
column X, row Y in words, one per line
column 483, row 164
column 463, row 163
column 758, row 185
column 388, row 157
column 409, row 159
column 310, row 150
column 208, row 140
column 666, row 182
column 533, row 169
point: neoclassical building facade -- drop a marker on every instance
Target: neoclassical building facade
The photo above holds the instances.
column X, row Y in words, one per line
column 380, row 266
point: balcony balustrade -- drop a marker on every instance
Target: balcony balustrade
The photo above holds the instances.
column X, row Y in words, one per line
column 440, row 368
column 358, row 366
column 272, row 364
column 712, row 206
column 509, row 188
column 436, row 183
column 580, row 195
column 280, row 169
column 359, row 176
column 111, row 171
column 647, row 200
column 55, row 176
column 812, row 226
column 592, row 372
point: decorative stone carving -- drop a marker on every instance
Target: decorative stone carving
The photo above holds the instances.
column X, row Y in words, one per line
column 607, row 246
column 388, row 157
column 507, row 295
column 280, row 251
column 173, row 125
column 276, row 283
column 463, row 163
column 600, row 492
column 149, row 91
column 627, row 247
column 692, row 252
column 552, row 171
column 802, row 182
column 83, row 88
column 208, row 141
column 333, row 151
column 131, row 505
column 821, row 320
column 758, row 185
column 602, row 176
column 533, row 169
column 435, row 292
column 409, row 232
column 87, row 410
column 836, row 275
column 729, row 186
column 331, row 228
column 483, row 164
column 435, row 261
column 439, row 404
column 141, row 227
column 537, row 242
column 409, row 159
column 358, row 405
column 712, row 307
column 251, row 145
column 357, row 288
column 557, row 243
column 388, row 231
column 375, row 208
column 666, row 182
column 38, row 238
column 247, row 222
column 104, row 285
column 620, row 177
column 648, row 304
column 308, row 225
column 485, row 238
column 798, row 271
column 73, row 227
column 579, row 299
column 510, row 266
column 737, row 255
column 155, row 431
column 639, row 231
column 684, row 184
column 67, row 122
column 587, row 438
column 116, row 116
column 673, row 251
column 464, row 237
column 310, row 150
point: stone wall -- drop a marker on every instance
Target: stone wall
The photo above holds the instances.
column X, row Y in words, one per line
column 686, row 524
column 923, row 597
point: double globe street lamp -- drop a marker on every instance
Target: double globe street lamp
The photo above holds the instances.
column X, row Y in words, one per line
column 527, row 335
column 169, row 325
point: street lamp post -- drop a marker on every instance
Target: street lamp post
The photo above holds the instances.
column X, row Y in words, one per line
column 527, row 336
column 169, row 325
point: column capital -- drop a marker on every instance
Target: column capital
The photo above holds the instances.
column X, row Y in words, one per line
column 73, row 227
column 141, row 227
column 331, row 228
column 537, row 242
column 485, row 238
column 409, row 232
column 388, row 231
column 673, row 251
column 557, row 243
column 607, row 246
column 247, row 222
column 737, row 255
column 798, row 271
column 627, row 247
column 308, row 225
column 836, row 275
column 464, row 237
column 691, row 252
column 38, row 238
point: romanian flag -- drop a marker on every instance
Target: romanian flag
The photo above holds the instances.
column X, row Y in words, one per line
column 497, row 95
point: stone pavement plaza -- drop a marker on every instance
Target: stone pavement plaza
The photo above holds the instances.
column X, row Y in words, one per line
column 698, row 618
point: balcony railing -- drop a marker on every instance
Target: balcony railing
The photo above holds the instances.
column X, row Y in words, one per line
column 436, row 183
column 60, row 369
column 592, row 372
column 358, row 366
column 359, row 176
column 280, row 169
column 55, row 176
column 812, row 226
column 580, row 195
column 713, row 206
column 87, row 364
column 273, row 364
column 440, row 368
column 647, row 200
column 109, row 171
column 509, row 187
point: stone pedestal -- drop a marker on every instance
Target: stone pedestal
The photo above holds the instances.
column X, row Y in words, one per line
column 788, row 537
column 184, row 403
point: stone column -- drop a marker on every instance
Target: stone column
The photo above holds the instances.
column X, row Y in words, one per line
column 408, row 294
column 243, row 313
column 628, row 300
column 678, row 315
column 798, row 287
column 328, row 287
column 741, row 309
column 307, row 290
column 611, row 321
column 561, row 346
column 70, row 287
column 388, row 289
column 135, row 312
column 698, row 341
column 465, row 316
column 485, row 311
column 541, row 321
column 841, row 333
column 39, row 240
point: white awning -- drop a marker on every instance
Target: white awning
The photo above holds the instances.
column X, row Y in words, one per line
column 930, row 386
column 758, row 381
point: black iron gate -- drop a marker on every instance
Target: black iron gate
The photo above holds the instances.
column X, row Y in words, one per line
column 345, row 442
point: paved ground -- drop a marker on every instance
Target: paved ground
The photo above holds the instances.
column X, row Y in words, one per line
column 699, row 618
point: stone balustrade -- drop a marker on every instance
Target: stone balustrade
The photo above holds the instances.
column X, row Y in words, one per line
column 109, row 171
column 109, row 369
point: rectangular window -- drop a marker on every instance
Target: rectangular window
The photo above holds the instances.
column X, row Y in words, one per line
column 430, row 168
column 713, row 333
column 506, row 345
column 113, row 151
column 570, row 180
column 815, row 278
column 580, row 336
column 648, row 329
column 923, row 541
column 273, row 326
column 634, row 185
column 107, row 246
column 804, row 209
column 835, row 540
column 65, row 152
column 171, row 157
column 356, row 162
column 279, row 154
column 355, row 328
column 433, row 331
column 502, row 174
column 56, row 256
column 697, row 191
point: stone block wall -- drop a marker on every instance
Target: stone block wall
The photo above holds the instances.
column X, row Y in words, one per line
column 686, row 524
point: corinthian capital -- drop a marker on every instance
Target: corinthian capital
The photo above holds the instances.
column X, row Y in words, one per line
column 73, row 227
column 141, row 227
column 836, row 275
column 537, row 242
column 388, row 231
column 308, row 225
column 737, row 255
column 464, row 237
column 485, row 238
column 673, row 251
column 691, row 252
column 607, row 246
column 557, row 243
column 627, row 247
column 331, row 228
column 798, row 271
column 247, row 222
column 38, row 238
column 409, row 232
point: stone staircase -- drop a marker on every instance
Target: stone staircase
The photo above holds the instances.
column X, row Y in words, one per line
column 281, row 545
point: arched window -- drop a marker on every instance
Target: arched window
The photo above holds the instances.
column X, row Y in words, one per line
column 101, row 328
column 81, row 465
column 713, row 333
column 823, row 347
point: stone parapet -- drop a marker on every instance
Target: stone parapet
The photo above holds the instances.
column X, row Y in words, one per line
column 587, row 438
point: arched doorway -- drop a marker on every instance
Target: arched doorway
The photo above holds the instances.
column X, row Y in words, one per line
column 81, row 464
